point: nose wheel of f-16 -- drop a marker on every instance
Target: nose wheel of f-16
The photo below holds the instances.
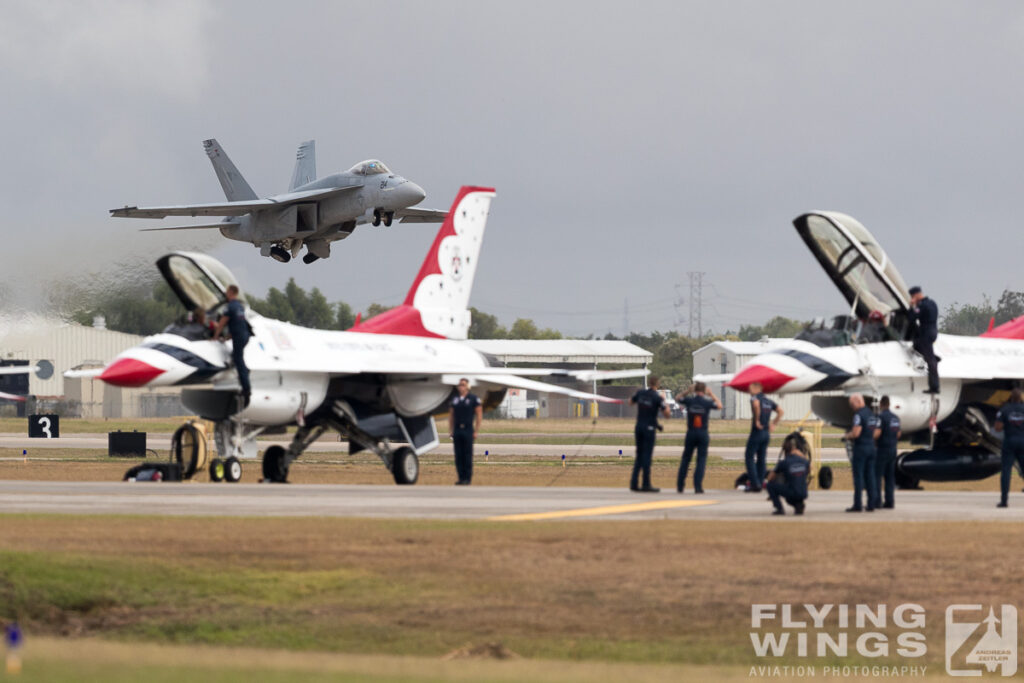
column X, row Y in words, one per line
column 825, row 477
column 405, row 467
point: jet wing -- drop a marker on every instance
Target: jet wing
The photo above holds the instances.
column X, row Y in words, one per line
column 11, row 397
column 204, row 226
column 421, row 215
column 230, row 208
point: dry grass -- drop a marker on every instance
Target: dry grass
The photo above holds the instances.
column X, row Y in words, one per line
column 641, row 591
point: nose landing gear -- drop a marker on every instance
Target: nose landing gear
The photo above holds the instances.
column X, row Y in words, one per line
column 280, row 254
column 382, row 216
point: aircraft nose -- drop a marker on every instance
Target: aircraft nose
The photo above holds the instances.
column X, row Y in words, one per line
column 130, row 372
column 412, row 193
column 770, row 379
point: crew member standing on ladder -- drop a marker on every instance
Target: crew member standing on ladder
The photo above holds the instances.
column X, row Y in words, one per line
column 925, row 314
column 699, row 403
column 240, row 331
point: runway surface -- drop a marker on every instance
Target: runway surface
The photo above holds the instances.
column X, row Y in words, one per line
column 162, row 442
column 511, row 504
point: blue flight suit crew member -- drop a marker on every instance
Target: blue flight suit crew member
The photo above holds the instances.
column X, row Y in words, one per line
column 699, row 403
column 885, row 459
column 1010, row 420
column 925, row 314
column 238, row 328
column 788, row 481
column 648, row 402
column 863, row 434
column 465, row 413
column 761, row 425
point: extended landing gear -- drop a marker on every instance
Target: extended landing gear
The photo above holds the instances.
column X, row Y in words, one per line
column 382, row 216
column 280, row 254
column 309, row 258
column 403, row 463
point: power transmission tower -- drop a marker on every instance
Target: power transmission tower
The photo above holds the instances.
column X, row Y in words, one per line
column 696, row 302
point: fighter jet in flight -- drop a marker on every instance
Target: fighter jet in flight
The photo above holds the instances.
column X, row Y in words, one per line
column 312, row 213
column 869, row 351
column 378, row 384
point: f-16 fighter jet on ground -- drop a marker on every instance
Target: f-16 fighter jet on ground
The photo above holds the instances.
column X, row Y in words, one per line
column 869, row 352
column 312, row 212
column 378, row 384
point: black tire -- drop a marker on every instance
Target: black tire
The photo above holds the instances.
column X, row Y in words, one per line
column 280, row 255
column 389, row 217
column 274, row 468
column 232, row 470
column 309, row 258
column 825, row 477
column 405, row 466
column 187, row 445
column 217, row 470
column 376, row 217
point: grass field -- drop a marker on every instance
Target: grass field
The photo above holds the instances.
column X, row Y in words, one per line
column 659, row 591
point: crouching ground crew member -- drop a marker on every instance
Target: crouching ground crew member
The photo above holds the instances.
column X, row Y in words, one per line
column 788, row 481
column 863, row 434
column 648, row 404
column 699, row 403
column 885, row 460
column 761, row 425
column 464, row 417
column 1010, row 420
column 239, row 330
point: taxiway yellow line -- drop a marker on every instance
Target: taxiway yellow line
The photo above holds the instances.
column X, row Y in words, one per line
column 604, row 510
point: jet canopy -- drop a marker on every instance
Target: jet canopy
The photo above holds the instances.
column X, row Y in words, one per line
column 857, row 265
column 199, row 281
column 371, row 167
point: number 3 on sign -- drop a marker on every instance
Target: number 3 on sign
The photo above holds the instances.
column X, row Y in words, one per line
column 44, row 424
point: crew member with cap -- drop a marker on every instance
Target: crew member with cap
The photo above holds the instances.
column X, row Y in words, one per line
column 761, row 426
column 1010, row 421
column 649, row 402
column 885, row 459
column 925, row 314
column 239, row 331
column 788, row 481
column 465, row 413
column 863, row 434
column 699, row 403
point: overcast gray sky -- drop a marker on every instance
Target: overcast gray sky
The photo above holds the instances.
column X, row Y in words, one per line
column 629, row 142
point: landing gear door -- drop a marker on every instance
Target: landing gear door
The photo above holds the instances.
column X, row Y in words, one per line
column 198, row 280
column 857, row 265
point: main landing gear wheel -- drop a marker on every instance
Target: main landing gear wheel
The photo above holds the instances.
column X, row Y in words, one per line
column 309, row 258
column 274, row 468
column 377, row 217
column 217, row 470
column 280, row 254
column 388, row 218
column 825, row 477
column 232, row 469
column 405, row 467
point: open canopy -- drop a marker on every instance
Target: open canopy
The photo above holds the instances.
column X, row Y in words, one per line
column 199, row 281
column 856, row 263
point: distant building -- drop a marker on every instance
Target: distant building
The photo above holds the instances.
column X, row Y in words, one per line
column 727, row 357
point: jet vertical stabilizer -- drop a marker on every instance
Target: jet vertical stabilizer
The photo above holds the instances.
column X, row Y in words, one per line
column 305, row 165
column 235, row 187
column 437, row 303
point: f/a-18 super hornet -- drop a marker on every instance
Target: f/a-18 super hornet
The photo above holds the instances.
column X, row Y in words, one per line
column 869, row 351
column 378, row 384
column 312, row 213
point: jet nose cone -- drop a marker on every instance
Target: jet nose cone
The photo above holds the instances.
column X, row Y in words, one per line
column 129, row 372
column 770, row 379
column 413, row 193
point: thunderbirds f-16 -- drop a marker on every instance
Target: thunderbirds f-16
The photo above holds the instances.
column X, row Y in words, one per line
column 312, row 213
column 377, row 384
column 869, row 352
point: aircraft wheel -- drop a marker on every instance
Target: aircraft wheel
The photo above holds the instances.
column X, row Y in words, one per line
column 274, row 468
column 388, row 218
column 406, row 466
column 825, row 477
column 309, row 258
column 232, row 469
column 376, row 217
column 279, row 254
column 216, row 470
